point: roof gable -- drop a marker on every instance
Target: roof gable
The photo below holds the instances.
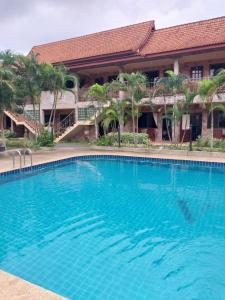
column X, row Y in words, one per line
column 123, row 39
column 192, row 35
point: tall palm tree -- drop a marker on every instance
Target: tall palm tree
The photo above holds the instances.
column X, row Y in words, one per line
column 6, row 93
column 115, row 114
column 28, row 82
column 208, row 90
column 98, row 94
column 172, row 84
column 54, row 79
column 135, row 86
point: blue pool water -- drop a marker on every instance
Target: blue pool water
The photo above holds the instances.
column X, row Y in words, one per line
column 100, row 229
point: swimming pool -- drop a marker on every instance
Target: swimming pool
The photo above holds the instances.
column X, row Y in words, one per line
column 117, row 229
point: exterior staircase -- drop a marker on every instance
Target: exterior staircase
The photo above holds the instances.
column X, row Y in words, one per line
column 74, row 127
column 21, row 119
column 72, row 130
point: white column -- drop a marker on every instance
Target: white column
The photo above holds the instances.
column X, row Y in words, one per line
column 121, row 94
column 176, row 66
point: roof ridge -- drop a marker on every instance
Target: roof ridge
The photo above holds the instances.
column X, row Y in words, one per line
column 146, row 38
column 91, row 34
column 190, row 23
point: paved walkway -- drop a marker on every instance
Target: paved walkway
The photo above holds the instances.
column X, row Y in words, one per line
column 42, row 156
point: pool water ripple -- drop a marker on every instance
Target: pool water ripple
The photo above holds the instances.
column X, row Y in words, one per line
column 117, row 230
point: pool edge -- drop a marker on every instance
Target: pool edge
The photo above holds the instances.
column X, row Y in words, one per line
column 14, row 288
column 60, row 162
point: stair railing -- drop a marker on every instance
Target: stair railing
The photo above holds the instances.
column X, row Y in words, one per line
column 68, row 121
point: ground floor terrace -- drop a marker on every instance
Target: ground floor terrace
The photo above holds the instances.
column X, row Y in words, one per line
column 155, row 122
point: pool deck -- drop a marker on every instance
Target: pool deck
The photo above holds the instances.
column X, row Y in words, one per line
column 12, row 287
column 44, row 156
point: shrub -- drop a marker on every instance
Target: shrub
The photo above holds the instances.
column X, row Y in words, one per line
column 126, row 138
column 45, row 139
column 9, row 134
column 17, row 143
column 205, row 142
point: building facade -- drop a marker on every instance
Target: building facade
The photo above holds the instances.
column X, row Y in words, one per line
column 195, row 49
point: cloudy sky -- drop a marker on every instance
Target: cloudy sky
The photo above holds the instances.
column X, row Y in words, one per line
column 24, row 23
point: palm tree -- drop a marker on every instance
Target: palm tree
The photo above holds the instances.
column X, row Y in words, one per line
column 6, row 93
column 115, row 114
column 189, row 95
column 135, row 87
column 28, row 82
column 98, row 94
column 208, row 90
column 54, row 79
column 172, row 84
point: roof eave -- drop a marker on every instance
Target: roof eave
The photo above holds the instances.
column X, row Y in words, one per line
column 192, row 50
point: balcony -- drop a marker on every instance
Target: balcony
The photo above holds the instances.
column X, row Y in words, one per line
column 151, row 89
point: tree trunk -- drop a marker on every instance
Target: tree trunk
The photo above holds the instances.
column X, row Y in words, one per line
column 167, row 126
column 54, row 112
column 137, row 127
column 2, row 125
column 212, row 127
column 50, row 118
column 119, row 142
column 133, row 119
column 96, row 127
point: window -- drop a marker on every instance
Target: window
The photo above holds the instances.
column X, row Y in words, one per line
column 214, row 69
column 112, row 77
column 152, row 76
column 47, row 118
column 146, row 120
column 99, row 80
column 82, row 83
column 197, row 73
column 218, row 119
column 70, row 84
column 84, row 113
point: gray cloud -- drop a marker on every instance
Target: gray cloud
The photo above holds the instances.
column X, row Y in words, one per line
column 25, row 23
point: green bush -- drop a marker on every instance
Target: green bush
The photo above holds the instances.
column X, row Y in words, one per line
column 9, row 134
column 205, row 142
column 17, row 143
column 45, row 139
column 126, row 139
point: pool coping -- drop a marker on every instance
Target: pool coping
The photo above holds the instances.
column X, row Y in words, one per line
column 16, row 288
column 18, row 173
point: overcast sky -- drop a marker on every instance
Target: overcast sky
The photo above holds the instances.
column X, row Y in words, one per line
column 25, row 23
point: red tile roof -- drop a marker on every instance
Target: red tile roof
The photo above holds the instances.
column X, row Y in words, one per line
column 140, row 39
column 128, row 38
column 196, row 34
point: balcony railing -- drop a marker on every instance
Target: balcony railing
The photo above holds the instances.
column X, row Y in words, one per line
column 151, row 85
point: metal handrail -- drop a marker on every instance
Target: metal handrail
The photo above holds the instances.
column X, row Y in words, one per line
column 69, row 120
column 25, row 151
column 14, row 152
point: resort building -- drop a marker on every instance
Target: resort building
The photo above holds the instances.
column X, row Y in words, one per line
column 196, row 49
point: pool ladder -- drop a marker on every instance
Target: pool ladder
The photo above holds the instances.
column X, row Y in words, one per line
column 22, row 157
